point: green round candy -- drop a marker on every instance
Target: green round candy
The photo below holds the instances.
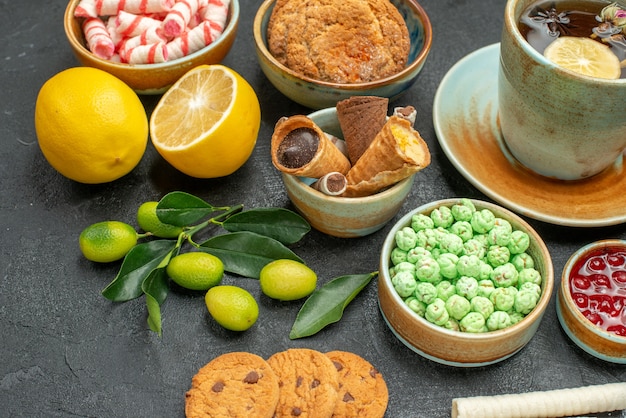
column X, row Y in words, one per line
column 474, row 247
column 427, row 270
column 467, row 286
column 498, row 255
column 442, row 216
column 463, row 229
column 515, row 317
column 445, row 289
column 452, row 324
column 530, row 286
column 522, row 261
column 457, row 306
column 398, row 255
column 427, row 238
column 404, row 283
column 473, row 322
column 447, row 265
column 415, row 305
column 425, row 292
column 519, row 242
column 525, row 301
column 406, row 238
column 436, row 312
column 451, row 243
column 499, row 235
column 505, row 275
column 482, row 221
column 463, row 211
column 420, row 221
column 485, row 287
column 529, row 275
column 415, row 254
column 482, row 305
column 503, row 298
column 468, row 265
column 485, row 271
column 498, row 320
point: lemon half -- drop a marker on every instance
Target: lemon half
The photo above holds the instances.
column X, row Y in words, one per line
column 206, row 124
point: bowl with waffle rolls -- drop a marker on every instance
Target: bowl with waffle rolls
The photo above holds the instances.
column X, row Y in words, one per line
column 324, row 51
column 348, row 169
column 150, row 49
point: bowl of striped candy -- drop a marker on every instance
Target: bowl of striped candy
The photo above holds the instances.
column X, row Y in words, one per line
column 150, row 44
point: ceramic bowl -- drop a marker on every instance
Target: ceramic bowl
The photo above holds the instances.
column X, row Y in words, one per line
column 604, row 300
column 317, row 94
column 344, row 217
column 451, row 347
column 151, row 78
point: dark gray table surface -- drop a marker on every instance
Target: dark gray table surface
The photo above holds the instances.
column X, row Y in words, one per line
column 65, row 351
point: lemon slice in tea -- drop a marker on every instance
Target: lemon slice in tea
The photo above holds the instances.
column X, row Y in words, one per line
column 584, row 56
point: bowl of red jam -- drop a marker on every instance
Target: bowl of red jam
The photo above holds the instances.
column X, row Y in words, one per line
column 591, row 302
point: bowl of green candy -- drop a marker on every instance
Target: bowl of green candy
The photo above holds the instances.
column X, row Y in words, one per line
column 464, row 282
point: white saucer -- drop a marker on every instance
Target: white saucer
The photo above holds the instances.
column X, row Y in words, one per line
column 465, row 115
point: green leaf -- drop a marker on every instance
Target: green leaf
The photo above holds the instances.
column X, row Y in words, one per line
column 182, row 209
column 326, row 305
column 156, row 288
column 137, row 265
column 281, row 224
column 246, row 253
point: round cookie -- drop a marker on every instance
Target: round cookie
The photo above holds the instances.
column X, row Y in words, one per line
column 339, row 41
column 362, row 390
column 308, row 383
column 237, row 384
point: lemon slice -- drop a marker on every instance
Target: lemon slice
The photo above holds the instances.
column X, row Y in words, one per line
column 206, row 124
column 584, row 56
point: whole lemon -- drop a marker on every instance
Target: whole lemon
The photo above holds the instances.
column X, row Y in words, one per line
column 148, row 220
column 287, row 280
column 91, row 127
column 107, row 241
column 232, row 307
column 196, row 270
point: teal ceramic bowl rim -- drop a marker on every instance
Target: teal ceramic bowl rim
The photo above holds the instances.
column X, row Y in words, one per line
column 260, row 40
column 231, row 26
column 511, row 23
column 608, row 336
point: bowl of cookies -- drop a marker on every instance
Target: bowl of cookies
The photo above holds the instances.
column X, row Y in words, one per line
column 591, row 300
column 464, row 282
column 332, row 50
column 348, row 169
column 149, row 47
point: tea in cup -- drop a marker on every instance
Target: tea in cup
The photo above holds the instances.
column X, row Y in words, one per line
column 561, row 106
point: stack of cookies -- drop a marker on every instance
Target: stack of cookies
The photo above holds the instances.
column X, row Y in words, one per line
column 296, row 382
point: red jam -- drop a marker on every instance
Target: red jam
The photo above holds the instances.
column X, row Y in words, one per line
column 598, row 288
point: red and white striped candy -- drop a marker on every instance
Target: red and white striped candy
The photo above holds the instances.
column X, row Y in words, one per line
column 216, row 13
column 98, row 39
column 147, row 54
column 179, row 17
column 130, row 24
column 95, row 8
column 152, row 35
column 190, row 41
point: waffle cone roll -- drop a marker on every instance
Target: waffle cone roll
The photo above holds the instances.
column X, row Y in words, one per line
column 397, row 152
column 361, row 118
column 301, row 148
